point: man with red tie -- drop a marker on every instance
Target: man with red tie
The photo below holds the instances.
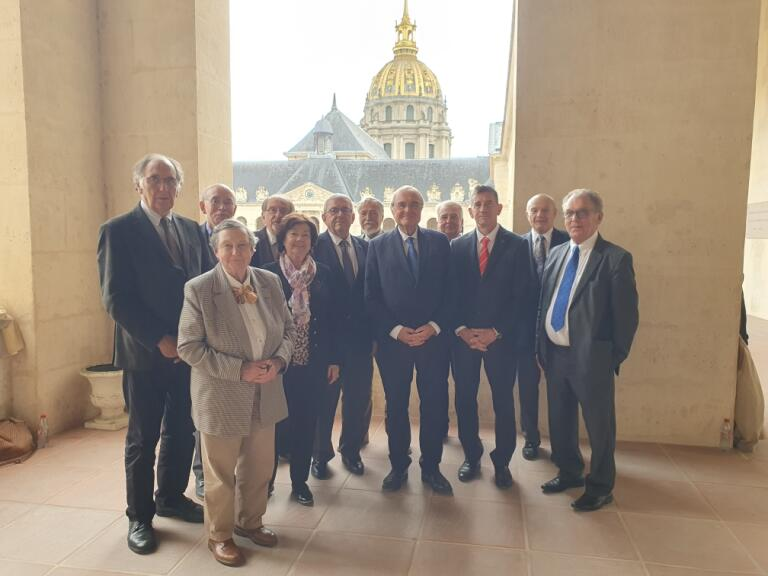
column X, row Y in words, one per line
column 491, row 275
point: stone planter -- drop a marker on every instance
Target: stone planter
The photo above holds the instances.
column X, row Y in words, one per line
column 107, row 395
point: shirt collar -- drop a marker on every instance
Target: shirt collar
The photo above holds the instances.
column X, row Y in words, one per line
column 547, row 235
column 491, row 235
column 272, row 237
column 153, row 216
column 234, row 282
column 585, row 246
column 405, row 236
column 337, row 240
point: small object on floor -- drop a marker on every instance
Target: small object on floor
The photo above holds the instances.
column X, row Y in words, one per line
column 469, row 471
column 437, row 482
column 590, row 503
column 530, row 451
column 303, row 495
column 261, row 536
column 354, row 465
column 141, row 537
column 319, row 470
column 503, row 477
column 226, row 552
column 184, row 509
column 394, row 480
column 561, row 484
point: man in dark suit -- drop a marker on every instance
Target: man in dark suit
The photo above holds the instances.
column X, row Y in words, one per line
column 273, row 210
column 450, row 218
column 371, row 213
column 407, row 291
column 541, row 238
column 587, row 321
column 145, row 257
column 345, row 256
column 490, row 268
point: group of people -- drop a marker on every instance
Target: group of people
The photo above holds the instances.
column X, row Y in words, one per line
column 236, row 347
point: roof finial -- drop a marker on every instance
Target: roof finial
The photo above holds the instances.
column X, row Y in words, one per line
column 333, row 106
column 405, row 44
column 406, row 18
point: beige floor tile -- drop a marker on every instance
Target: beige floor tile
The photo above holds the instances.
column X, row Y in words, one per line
column 646, row 461
column 600, row 534
column 282, row 511
column 88, row 452
column 16, row 568
column 353, row 555
column 110, row 552
column 737, row 503
column 459, row 560
column 338, row 475
column 275, row 561
column 393, row 515
column 483, row 487
column 687, row 542
column 760, row 451
column 63, row 571
column 666, row 497
column 547, row 564
column 37, row 483
column 9, row 511
column 715, row 466
column 659, row 570
column 63, row 530
column 375, row 471
column 474, row 522
column 105, row 490
column 754, row 537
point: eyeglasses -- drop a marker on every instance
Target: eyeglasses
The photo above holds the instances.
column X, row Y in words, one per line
column 582, row 214
column 155, row 181
column 335, row 210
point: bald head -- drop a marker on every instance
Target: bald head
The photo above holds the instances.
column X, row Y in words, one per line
column 450, row 218
column 217, row 202
column 541, row 211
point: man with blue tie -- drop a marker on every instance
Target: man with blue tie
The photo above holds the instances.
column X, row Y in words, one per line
column 345, row 255
column 587, row 321
column 491, row 270
column 541, row 238
column 407, row 288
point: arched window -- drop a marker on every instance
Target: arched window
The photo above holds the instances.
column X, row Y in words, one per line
column 388, row 149
column 409, row 113
column 410, row 151
column 388, row 113
column 429, row 113
column 431, row 150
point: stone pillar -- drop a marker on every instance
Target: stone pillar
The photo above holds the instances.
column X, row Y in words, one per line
column 650, row 104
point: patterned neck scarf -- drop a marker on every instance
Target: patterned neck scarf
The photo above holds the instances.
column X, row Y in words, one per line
column 299, row 280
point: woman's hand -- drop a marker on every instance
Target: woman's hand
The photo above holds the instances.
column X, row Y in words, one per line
column 333, row 373
column 262, row 371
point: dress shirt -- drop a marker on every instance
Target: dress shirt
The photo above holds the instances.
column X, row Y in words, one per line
column 367, row 238
column 155, row 218
column 491, row 241
column 396, row 330
column 350, row 249
column 535, row 235
column 561, row 337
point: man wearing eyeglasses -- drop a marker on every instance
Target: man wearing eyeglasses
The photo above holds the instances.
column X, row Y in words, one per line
column 217, row 203
column 587, row 321
column 273, row 210
column 345, row 255
column 145, row 257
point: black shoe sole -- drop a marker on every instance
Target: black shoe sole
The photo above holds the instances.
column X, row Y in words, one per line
column 144, row 550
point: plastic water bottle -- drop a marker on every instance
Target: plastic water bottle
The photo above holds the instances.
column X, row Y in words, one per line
column 42, row 432
column 726, row 435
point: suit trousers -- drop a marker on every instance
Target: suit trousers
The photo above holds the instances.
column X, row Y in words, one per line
column 528, row 376
column 237, row 471
column 354, row 380
column 500, row 364
column 566, row 390
column 158, row 399
column 304, row 388
column 396, row 362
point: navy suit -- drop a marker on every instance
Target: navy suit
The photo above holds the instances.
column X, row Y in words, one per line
column 495, row 300
column 394, row 297
column 356, row 357
column 142, row 290
column 263, row 254
column 209, row 257
column 528, row 372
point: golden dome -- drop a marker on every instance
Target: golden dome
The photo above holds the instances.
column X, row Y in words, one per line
column 405, row 75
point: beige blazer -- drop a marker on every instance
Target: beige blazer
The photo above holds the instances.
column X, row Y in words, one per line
column 214, row 341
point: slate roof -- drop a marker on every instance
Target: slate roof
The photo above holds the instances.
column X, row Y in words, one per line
column 347, row 137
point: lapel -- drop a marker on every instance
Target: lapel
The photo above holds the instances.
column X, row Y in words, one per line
column 360, row 254
column 498, row 249
column 396, row 244
column 149, row 234
column 422, row 253
column 474, row 257
column 184, row 242
column 227, row 307
column 331, row 256
column 557, row 266
column 594, row 262
column 531, row 260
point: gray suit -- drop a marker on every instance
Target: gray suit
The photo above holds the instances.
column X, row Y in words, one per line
column 602, row 320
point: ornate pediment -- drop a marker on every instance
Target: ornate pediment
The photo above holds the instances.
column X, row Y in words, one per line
column 308, row 194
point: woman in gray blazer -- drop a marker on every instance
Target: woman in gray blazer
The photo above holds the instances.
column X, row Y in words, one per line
column 237, row 335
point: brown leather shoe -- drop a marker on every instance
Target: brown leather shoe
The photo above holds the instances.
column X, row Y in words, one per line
column 226, row 552
column 262, row 536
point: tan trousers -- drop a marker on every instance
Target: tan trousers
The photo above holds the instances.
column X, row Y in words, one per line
column 250, row 459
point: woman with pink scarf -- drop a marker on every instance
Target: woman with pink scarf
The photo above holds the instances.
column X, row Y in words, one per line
column 311, row 294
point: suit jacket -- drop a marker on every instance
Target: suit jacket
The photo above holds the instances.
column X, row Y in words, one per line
column 497, row 298
column 355, row 324
column 528, row 325
column 603, row 316
column 209, row 257
column 214, row 341
column 263, row 254
column 141, row 288
column 391, row 294
column 324, row 348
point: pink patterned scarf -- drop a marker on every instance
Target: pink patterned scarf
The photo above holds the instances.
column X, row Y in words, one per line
column 299, row 280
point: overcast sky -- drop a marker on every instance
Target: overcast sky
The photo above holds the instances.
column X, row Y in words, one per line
column 289, row 57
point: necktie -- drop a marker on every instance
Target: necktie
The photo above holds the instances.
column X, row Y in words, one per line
column 346, row 263
column 483, row 254
column 413, row 257
column 171, row 242
column 275, row 251
column 244, row 294
column 540, row 254
column 564, row 293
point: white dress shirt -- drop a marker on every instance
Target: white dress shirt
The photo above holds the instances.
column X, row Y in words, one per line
column 561, row 337
column 351, row 249
column 534, row 237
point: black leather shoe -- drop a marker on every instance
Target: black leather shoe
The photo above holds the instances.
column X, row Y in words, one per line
column 561, row 484
column 303, row 495
column 530, row 451
column 141, row 537
column 394, row 480
column 437, row 482
column 184, row 509
column 200, row 489
column 469, row 471
column 354, row 465
column 589, row 503
column 319, row 470
column 503, row 477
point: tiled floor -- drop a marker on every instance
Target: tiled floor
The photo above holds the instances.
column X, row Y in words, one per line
column 678, row 511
